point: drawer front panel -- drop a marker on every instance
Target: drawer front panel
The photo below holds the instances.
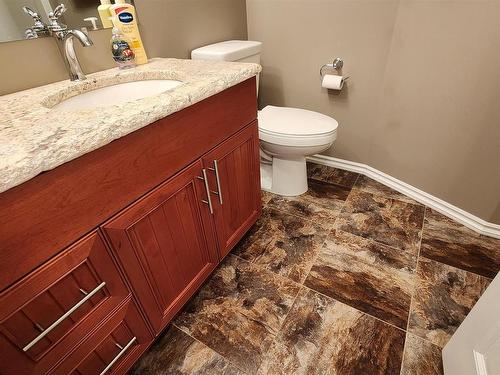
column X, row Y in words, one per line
column 113, row 346
column 45, row 315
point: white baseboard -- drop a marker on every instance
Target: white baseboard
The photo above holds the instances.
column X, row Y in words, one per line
column 463, row 217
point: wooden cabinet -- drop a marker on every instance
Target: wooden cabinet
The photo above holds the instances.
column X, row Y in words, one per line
column 163, row 206
column 165, row 243
column 53, row 308
column 234, row 179
column 171, row 240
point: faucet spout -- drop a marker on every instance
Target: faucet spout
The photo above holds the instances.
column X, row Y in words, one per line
column 70, row 58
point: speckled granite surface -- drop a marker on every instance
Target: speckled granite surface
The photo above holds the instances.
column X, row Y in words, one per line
column 35, row 138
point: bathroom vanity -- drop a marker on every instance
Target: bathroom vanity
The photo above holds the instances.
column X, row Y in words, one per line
column 99, row 253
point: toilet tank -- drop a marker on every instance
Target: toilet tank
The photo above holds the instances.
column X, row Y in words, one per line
column 231, row 50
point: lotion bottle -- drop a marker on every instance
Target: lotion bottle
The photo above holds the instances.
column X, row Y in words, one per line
column 104, row 13
column 125, row 19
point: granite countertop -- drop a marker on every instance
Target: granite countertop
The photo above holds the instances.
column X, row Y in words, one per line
column 35, row 138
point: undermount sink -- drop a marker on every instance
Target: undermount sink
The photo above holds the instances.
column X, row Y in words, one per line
column 118, row 94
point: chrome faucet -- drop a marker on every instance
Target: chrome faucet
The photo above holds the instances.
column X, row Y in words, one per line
column 70, row 58
column 60, row 31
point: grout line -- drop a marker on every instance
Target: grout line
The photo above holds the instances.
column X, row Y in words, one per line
column 204, row 344
column 415, row 282
column 354, row 308
column 458, row 268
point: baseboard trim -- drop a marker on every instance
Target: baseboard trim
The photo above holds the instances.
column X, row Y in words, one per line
column 463, row 217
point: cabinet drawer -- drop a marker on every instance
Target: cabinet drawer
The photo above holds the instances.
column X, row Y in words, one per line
column 114, row 345
column 47, row 313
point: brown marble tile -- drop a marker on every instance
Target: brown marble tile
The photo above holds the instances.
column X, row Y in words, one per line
column 266, row 197
column 443, row 297
column 331, row 175
column 323, row 336
column 369, row 276
column 322, row 202
column 421, row 357
column 389, row 221
column 371, row 186
column 176, row 353
column 449, row 242
column 285, row 244
column 253, row 291
column 238, row 311
column 241, row 340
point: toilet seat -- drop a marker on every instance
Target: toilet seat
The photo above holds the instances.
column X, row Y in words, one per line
column 296, row 127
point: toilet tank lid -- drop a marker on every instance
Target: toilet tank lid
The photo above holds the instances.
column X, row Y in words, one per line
column 231, row 50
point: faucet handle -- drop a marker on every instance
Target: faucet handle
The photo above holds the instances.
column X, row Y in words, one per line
column 38, row 26
column 55, row 25
column 57, row 12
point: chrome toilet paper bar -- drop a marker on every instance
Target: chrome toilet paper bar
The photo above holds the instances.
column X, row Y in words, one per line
column 337, row 64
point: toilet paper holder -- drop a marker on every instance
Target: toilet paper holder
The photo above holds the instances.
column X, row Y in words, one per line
column 337, row 64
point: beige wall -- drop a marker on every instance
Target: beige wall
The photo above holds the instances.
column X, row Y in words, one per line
column 169, row 28
column 422, row 102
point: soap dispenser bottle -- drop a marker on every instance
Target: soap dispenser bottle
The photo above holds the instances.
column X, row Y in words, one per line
column 121, row 51
column 125, row 19
column 104, row 13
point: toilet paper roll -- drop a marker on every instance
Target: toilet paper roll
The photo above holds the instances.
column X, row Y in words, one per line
column 333, row 82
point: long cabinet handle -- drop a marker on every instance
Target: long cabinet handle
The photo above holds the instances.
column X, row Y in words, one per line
column 217, row 178
column 119, row 355
column 207, row 188
column 64, row 316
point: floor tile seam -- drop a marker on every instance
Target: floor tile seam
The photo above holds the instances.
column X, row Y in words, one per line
column 424, row 339
column 392, row 198
column 303, row 217
column 458, row 268
column 415, row 282
column 354, row 308
column 335, row 183
column 296, row 284
column 371, row 240
column 315, row 258
column 208, row 346
column 278, row 333
column 261, row 267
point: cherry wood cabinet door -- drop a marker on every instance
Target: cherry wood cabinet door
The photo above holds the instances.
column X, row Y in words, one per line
column 48, row 313
column 165, row 243
column 233, row 170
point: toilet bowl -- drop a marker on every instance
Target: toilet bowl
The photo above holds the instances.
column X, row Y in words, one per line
column 287, row 135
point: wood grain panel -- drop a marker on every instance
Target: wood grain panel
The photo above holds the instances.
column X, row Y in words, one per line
column 42, row 216
column 165, row 244
column 239, row 172
column 98, row 348
column 45, row 295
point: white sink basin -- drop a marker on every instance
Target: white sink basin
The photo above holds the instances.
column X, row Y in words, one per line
column 117, row 94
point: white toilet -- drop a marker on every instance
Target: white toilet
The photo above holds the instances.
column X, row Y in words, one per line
column 287, row 135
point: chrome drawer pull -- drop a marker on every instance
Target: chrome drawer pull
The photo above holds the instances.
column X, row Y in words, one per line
column 66, row 314
column 209, row 200
column 119, row 355
column 216, row 170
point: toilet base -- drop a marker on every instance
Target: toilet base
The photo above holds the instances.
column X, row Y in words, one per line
column 286, row 177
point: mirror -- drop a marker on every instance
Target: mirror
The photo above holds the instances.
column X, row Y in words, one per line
column 14, row 21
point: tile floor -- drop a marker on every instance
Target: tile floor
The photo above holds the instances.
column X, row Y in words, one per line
column 349, row 278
